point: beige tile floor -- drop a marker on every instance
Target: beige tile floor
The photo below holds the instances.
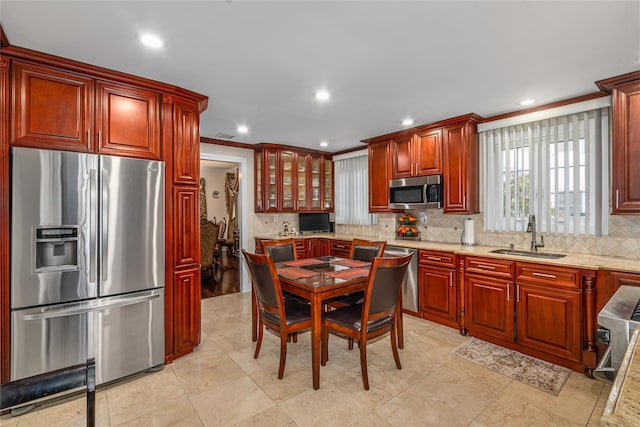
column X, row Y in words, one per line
column 220, row 384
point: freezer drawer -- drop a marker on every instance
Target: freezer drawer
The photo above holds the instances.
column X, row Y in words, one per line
column 47, row 338
column 130, row 335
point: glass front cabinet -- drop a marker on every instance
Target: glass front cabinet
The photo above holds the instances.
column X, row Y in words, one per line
column 292, row 181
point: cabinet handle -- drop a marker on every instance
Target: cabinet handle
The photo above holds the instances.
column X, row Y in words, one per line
column 89, row 137
column 434, row 258
column 99, row 137
column 508, row 292
column 486, row 267
column 548, row 276
column 517, row 293
column 340, row 246
column 617, row 199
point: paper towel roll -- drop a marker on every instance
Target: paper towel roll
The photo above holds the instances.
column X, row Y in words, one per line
column 468, row 237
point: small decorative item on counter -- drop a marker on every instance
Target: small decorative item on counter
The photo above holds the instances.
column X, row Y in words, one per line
column 285, row 228
column 408, row 229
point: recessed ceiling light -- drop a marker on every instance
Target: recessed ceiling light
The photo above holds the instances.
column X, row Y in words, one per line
column 151, row 40
column 526, row 102
column 407, row 122
column 324, row 144
column 322, row 95
column 243, row 129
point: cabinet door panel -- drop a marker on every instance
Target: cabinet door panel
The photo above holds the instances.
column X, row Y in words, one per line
column 428, row 153
column 186, row 234
column 52, row 108
column 460, row 169
column 127, row 121
column 489, row 307
column 549, row 320
column 402, row 163
column 186, row 315
column 626, row 149
column 437, row 293
column 186, row 144
column 379, row 173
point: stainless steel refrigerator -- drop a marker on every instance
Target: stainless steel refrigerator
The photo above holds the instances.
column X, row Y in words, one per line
column 87, row 263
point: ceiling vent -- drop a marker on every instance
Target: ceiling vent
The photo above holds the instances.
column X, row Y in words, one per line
column 224, row 135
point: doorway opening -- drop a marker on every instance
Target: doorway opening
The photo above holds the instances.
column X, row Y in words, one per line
column 220, row 233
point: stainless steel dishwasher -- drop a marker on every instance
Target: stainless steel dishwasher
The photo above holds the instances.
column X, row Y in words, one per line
column 410, row 284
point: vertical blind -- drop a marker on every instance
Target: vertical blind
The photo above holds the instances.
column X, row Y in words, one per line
column 554, row 168
column 352, row 199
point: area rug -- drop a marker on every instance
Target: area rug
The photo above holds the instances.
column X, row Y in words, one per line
column 526, row 369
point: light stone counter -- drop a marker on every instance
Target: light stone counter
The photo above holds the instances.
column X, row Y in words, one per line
column 623, row 404
column 582, row 261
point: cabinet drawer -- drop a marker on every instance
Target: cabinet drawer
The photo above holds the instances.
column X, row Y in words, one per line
column 547, row 275
column 301, row 250
column 494, row 267
column 442, row 259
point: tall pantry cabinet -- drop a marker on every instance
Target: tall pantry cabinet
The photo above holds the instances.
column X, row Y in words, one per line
column 55, row 103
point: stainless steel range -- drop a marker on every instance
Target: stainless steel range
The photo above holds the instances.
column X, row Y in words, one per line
column 620, row 316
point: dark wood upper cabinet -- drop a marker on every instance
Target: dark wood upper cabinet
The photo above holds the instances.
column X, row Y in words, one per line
column 379, row 175
column 292, row 181
column 62, row 110
column 428, row 152
column 625, row 91
column 417, row 154
column 448, row 147
column 127, row 121
column 52, row 108
column 461, row 167
column 402, row 163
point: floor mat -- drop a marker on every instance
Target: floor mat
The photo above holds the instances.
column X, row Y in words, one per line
column 529, row 370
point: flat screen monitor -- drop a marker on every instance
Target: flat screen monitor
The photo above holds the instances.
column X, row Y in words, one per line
column 313, row 222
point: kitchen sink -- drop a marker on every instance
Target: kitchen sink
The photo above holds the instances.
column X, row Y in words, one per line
column 532, row 254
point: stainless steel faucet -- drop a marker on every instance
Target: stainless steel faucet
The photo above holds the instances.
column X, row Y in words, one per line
column 531, row 228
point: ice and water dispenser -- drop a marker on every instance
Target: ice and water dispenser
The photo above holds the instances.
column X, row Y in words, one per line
column 56, row 248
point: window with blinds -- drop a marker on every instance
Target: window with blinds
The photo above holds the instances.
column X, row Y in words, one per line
column 351, row 174
column 555, row 168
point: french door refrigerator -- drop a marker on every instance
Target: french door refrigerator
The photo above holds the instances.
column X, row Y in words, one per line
column 87, row 263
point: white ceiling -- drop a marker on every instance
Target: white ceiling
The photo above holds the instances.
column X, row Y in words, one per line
column 261, row 62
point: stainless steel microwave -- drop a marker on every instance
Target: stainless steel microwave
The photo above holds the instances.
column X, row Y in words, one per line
column 421, row 192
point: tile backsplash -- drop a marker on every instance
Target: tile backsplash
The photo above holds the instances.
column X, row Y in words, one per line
column 623, row 239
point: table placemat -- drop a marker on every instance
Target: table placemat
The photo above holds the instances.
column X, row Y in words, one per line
column 296, row 273
column 352, row 273
column 352, row 263
column 303, row 262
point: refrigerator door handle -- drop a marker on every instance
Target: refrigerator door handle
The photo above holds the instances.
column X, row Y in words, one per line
column 72, row 311
column 93, row 225
column 104, row 243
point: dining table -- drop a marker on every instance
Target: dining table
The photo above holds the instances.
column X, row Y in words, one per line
column 317, row 280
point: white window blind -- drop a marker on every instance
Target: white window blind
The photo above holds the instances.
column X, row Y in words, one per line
column 352, row 199
column 554, row 168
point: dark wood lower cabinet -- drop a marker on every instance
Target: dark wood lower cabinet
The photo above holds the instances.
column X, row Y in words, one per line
column 186, row 312
column 548, row 320
column 437, row 294
column 489, row 307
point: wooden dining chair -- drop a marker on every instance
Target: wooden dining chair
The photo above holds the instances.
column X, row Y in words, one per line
column 280, row 250
column 375, row 316
column 283, row 317
column 208, row 239
column 361, row 250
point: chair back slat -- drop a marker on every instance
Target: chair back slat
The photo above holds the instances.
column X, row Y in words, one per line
column 265, row 280
column 366, row 250
column 280, row 250
column 385, row 284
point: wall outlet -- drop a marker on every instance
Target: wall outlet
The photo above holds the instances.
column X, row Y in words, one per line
column 275, row 217
column 423, row 218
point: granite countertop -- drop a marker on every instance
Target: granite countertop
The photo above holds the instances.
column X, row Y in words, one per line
column 623, row 404
column 582, row 261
